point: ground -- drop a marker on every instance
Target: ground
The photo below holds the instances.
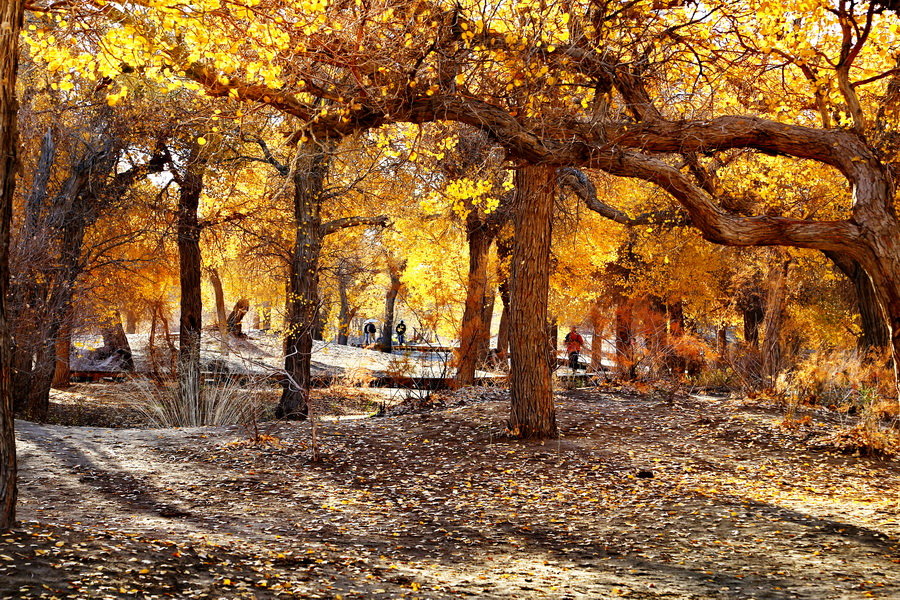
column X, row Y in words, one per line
column 641, row 497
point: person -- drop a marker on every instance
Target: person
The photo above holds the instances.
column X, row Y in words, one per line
column 369, row 331
column 573, row 342
column 401, row 332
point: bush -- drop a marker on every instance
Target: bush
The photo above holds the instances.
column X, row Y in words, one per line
column 844, row 380
column 226, row 402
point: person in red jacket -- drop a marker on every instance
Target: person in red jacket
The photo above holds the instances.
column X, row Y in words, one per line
column 573, row 342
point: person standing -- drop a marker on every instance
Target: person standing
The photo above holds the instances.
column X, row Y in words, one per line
column 573, row 342
column 369, row 331
column 401, row 332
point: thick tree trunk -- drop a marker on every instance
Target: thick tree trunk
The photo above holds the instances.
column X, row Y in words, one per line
column 115, row 343
column 656, row 335
column 722, row 345
column 62, row 373
column 188, row 233
column 38, row 393
column 303, row 295
column 472, row 330
column 875, row 335
column 776, row 302
column 131, row 319
column 677, row 362
column 625, row 362
column 753, row 315
column 390, row 301
column 236, row 317
column 11, row 15
column 533, row 414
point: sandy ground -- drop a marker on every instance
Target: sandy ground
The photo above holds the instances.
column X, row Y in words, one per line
column 640, row 498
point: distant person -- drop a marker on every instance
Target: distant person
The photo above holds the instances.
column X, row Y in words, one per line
column 573, row 342
column 369, row 331
column 401, row 332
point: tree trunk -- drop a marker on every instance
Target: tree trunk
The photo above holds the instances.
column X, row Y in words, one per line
column 625, row 341
column 390, row 300
column 346, row 314
column 191, row 322
column 487, row 318
column 115, row 343
column 221, row 323
column 597, row 324
column 875, row 335
column 151, row 342
column 722, row 345
column 677, row 361
column 753, row 315
column 11, row 16
column 318, row 330
column 167, row 334
column 504, row 255
column 533, row 414
column 656, row 335
column 776, row 300
column 303, row 294
column 236, row 317
column 62, row 373
column 266, row 317
column 131, row 319
column 472, row 330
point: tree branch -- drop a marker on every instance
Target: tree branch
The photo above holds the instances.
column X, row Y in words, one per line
column 338, row 224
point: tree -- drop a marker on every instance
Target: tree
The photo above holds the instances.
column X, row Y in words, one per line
column 309, row 174
column 533, row 414
column 11, row 17
column 645, row 91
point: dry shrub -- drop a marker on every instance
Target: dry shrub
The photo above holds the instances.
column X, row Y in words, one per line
column 844, row 380
column 231, row 401
column 868, row 437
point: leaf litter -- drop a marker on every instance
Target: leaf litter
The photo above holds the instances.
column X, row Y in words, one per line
column 685, row 498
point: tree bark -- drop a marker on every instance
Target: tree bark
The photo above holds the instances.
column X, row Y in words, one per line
column 532, row 414
column 753, row 315
column 345, row 314
column 504, row 256
column 472, row 331
column 131, row 320
column 62, row 373
column 487, row 319
column 597, row 324
column 188, row 234
column 311, row 170
column 390, row 300
column 310, row 173
column 625, row 341
column 221, row 323
column 236, row 317
column 115, row 343
column 776, row 301
column 875, row 335
column 11, row 16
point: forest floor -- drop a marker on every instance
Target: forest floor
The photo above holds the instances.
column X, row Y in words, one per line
column 640, row 497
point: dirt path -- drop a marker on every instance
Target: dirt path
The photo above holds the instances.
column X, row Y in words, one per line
column 639, row 498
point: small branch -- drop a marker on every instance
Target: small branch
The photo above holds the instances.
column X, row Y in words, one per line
column 338, row 224
column 578, row 182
